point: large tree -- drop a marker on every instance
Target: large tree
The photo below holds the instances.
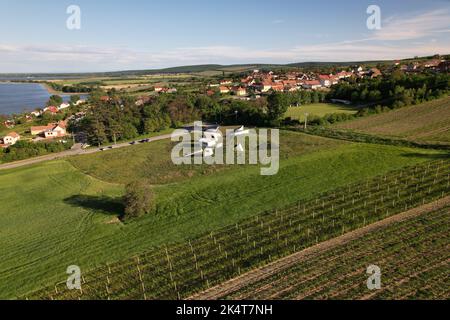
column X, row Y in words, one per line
column 277, row 106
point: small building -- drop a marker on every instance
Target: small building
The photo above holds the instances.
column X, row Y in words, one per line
column 51, row 109
column 52, row 130
column 265, row 86
column 225, row 82
column 375, row 73
column 325, row 80
column 64, row 105
column 240, row 92
column 224, row 90
column 312, row 84
column 10, row 124
column 434, row 63
column 36, row 113
column 57, row 131
column 11, row 138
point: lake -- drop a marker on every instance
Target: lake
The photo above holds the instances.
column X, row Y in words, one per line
column 20, row 97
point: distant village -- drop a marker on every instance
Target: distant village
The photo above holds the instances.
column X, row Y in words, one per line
column 50, row 131
column 254, row 85
column 263, row 82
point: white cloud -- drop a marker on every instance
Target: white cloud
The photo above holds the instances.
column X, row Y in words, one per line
column 414, row 26
column 401, row 37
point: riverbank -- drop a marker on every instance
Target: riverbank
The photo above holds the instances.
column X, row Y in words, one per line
column 52, row 91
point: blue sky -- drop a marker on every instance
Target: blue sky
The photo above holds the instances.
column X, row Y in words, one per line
column 141, row 34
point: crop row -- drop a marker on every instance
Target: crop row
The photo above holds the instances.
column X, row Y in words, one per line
column 408, row 253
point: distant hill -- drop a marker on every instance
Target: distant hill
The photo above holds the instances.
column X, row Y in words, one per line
column 193, row 69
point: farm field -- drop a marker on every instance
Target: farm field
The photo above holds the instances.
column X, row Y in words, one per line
column 177, row 271
column 62, row 216
column 428, row 122
column 153, row 161
column 319, row 110
column 412, row 255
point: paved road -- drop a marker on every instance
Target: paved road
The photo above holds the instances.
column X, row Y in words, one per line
column 72, row 152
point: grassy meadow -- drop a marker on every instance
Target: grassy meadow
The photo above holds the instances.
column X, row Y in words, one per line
column 319, row 110
column 65, row 212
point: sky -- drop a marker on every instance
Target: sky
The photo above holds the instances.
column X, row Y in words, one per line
column 145, row 34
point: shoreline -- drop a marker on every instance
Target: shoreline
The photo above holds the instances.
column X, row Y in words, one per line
column 52, row 91
column 48, row 88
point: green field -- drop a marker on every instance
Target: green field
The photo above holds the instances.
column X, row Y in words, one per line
column 319, row 110
column 153, row 161
column 53, row 215
column 428, row 122
column 179, row 270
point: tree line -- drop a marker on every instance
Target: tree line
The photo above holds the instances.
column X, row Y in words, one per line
column 117, row 116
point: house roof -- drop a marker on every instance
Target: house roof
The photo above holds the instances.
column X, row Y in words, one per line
column 13, row 134
column 41, row 128
column 312, row 82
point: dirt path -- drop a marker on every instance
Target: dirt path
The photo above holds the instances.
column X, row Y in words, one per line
column 253, row 276
column 68, row 153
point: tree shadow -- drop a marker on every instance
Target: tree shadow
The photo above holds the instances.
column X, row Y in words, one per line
column 102, row 204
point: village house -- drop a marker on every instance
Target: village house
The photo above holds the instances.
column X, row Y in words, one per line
column 224, row 90
column 11, row 138
column 374, row 73
column 9, row 124
column 325, row 80
column 51, row 109
column 344, row 75
column 265, row 86
column 312, row 84
column 239, row 91
column 434, row 63
column 36, row 113
column 225, row 82
column 52, row 130
column 64, row 105
column 279, row 86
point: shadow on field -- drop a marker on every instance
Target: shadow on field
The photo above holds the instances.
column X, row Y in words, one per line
column 439, row 156
column 103, row 204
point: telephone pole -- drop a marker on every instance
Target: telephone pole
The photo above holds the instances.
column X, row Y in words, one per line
column 306, row 121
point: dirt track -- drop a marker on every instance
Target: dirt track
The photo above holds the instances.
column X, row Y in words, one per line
column 246, row 279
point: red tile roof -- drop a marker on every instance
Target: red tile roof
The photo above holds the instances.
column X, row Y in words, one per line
column 13, row 134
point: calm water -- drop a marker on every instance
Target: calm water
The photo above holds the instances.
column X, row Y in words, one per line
column 20, row 97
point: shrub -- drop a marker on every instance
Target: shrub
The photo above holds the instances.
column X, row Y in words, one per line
column 138, row 199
